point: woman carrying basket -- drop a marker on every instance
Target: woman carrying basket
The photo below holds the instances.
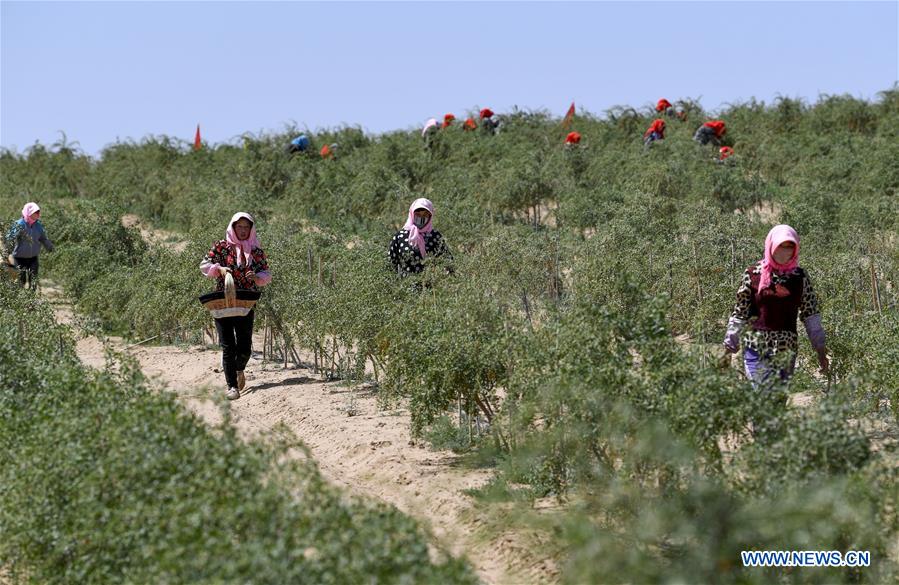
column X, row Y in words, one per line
column 237, row 258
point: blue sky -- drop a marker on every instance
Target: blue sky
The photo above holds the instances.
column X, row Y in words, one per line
column 115, row 70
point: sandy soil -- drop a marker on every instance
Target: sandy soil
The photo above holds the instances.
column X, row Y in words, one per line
column 768, row 212
column 369, row 453
column 154, row 235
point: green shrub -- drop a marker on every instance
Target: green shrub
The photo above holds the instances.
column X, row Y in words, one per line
column 589, row 292
column 103, row 480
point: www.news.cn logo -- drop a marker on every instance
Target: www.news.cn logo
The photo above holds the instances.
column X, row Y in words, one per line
column 805, row 558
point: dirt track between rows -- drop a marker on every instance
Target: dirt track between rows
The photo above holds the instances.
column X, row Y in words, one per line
column 370, row 454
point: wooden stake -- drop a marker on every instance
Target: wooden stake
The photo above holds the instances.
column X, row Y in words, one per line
column 527, row 307
column 733, row 263
column 333, row 354
column 670, row 282
column 698, row 276
column 875, row 290
column 142, row 341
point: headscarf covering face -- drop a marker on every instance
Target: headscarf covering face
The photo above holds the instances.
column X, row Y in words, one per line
column 662, row 105
column 244, row 247
column 428, row 125
column 777, row 236
column 718, row 126
column 486, row 113
column 573, row 138
column 30, row 209
column 416, row 234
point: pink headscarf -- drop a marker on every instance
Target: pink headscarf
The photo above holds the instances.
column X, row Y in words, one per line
column 777, row 236
column 29, row 210
column 415, row 233
column 244, row 247
column 429, row 124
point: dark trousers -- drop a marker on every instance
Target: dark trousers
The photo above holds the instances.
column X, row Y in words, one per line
column 27, row 270
column 236, row 341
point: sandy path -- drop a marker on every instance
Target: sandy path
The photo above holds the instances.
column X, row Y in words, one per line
column 368, row 453
column 153, row 235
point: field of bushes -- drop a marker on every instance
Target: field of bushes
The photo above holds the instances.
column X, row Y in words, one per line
column 574, row 346
column 103, row 480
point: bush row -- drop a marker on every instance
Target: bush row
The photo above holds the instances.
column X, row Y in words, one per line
column 589, row 287
column 103, row 480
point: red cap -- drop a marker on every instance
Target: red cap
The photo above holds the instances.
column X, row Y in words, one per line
column 573, row 138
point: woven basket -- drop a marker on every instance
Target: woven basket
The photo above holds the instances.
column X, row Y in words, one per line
column 218, row 302
column 230, row 298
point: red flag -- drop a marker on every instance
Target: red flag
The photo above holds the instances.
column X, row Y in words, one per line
column 568, row 116
column 197, row 143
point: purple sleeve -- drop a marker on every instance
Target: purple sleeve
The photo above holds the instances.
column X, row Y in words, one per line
column 209, row 268
column 732, row 336
column 263, row 278
column 260, row 261
column 815, row 331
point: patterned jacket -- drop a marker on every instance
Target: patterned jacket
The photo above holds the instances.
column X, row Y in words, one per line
column 772, row 315
column 223, row 254
column 405, row 257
